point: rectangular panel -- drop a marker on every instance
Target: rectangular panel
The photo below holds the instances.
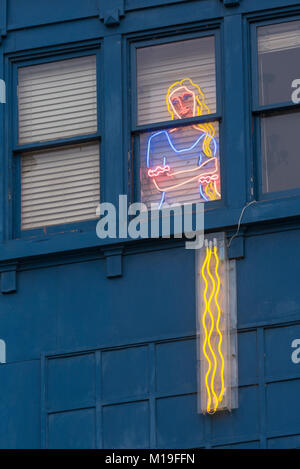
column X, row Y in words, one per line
column 72, row 430
column 180, row 165
column 60, row 185
column 282, row 352
column 178, row 424
column 125, row 373
column 71, row 382
column 287, row 442
column 280, row 156
column 278, row 44
column 283, row 407
column 241, row 423
column 57, row 100
column 126, row 425
column 176, row 80
column 247, row 358
column 176, row 367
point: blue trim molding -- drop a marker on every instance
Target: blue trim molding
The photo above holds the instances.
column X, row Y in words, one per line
column 111, row 12
column 231, row 3
column 236, row 249
column 8, row 277
column 3, row 19
column 114, row 266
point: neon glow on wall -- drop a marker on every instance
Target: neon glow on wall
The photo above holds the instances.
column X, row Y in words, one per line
column 214, row 328
column 185, row 99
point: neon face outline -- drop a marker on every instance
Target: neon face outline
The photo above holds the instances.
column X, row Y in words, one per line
column 177, row 94
column 187, row 92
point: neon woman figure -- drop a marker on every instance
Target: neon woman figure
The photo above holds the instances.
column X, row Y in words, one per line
column 184, row 157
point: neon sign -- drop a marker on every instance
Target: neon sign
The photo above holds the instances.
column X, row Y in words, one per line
column 215, row 328
column 165, row 157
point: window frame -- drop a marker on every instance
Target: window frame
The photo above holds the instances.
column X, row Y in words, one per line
column 16, row 150
column 259, row 111
column 135, row 130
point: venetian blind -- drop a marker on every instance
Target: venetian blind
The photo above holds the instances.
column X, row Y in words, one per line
column 279, row 37
column 60, row 185
column 158, row 67
column 57, row 100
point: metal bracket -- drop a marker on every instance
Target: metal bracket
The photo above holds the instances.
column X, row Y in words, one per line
column 236, row 250
column 114, row 265
column 8, row 277
column 231, row 3
column 3, row 19
column 111, row 14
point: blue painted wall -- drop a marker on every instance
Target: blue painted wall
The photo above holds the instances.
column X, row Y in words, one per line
column 94, row 361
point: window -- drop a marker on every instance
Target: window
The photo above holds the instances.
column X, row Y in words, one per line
column 59, row 154
column 278, row 67
column 177, row 122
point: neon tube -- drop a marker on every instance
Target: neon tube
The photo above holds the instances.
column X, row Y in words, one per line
column 205, row 330
column 220, row 397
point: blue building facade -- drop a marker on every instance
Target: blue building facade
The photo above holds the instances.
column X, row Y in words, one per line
column 100, row 334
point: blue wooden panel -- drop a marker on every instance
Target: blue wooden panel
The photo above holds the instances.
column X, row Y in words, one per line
column 127, row 309
column 74, row 307
column 240, row 423
column 125, row 373
column 287, row 442
column 8, row 281
column 126, row 425
column 246, row 445
column 176, row 367
column 278, row 351
column 72, row 430
column 247, row 358
column 283, row 407
column 178, row 423
column 20, row 405
column 71, row 382
column 264, row 271
column 36, row 13
column 28, row 318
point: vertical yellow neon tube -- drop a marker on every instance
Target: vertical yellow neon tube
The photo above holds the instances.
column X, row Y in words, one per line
column 211, row 330
column 220, row 397
column 205, row 330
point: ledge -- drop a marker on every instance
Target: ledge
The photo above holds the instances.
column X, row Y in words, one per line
column 219, row 219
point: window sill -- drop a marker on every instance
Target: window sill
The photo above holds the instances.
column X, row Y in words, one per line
column 221, row 218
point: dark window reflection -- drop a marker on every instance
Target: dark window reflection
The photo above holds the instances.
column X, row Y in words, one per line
column 280, row 152
column 278, row 61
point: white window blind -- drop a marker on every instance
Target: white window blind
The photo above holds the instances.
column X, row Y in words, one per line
column 158, row 67
column 279, row 37
column 60, row 185
column 57, row 100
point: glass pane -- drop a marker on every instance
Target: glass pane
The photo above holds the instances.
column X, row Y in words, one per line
column 57, row 100
column 180, row 165
column 278, row 61
column 60, row 185
column 176, row 80
column 280, row 152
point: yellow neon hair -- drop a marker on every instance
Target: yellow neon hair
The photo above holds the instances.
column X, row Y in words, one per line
column 200, row 104
column 220, row 397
